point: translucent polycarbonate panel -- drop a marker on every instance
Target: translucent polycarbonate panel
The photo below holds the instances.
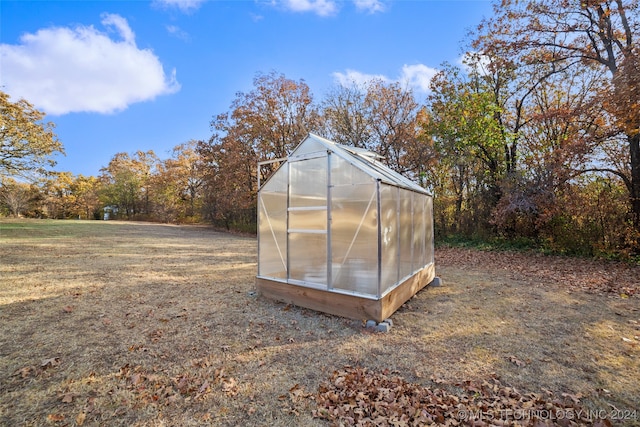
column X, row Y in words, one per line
column 308, row 182
column 308, row 146
column 354, row 238
column 272, row 220
column 343, row 173
column 397, row 178
column 406, row 232
column 389, row 236
column 419, row 231
column 272, row 223
column 308, row 257
column 278, row 182
column 308, row 219
column 377, row 170
column 429, row 231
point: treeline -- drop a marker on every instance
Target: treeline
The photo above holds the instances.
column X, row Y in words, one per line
column 136, row 186
column 534, row 138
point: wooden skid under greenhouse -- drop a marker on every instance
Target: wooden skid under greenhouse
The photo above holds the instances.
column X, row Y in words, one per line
column 350, row 306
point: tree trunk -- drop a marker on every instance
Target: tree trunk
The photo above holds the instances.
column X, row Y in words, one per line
column 458, row 216
column 634, row 149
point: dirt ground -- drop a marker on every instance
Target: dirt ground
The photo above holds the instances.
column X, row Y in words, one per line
column 134, row 324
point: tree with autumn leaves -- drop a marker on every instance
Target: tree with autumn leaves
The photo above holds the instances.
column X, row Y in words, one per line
column 383, row 117
column 263, row 124
column 27, row 143
column 547, row 41
column 141, row 186
column 28, row 146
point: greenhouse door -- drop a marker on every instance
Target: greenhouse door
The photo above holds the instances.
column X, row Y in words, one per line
column 307, row 224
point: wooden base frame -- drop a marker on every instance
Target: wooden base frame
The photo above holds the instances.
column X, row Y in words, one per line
column 350, row 306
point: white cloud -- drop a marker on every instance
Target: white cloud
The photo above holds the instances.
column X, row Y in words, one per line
column 319, row 7
column 62, row 70
column 185, row 6
column 121, row 25
column 325, row 7
column 417, row 77
column 178, row 32
column 351, row 77
column 371, row 6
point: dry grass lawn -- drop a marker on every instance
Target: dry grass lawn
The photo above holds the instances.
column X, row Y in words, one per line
column 133, row 324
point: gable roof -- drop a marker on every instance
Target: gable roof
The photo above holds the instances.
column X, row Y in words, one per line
column 367, row 161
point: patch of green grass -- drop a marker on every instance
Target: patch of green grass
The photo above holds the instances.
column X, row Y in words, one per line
column 621, row 256
column 489, row 243
column 523, row 244
column 45, row 228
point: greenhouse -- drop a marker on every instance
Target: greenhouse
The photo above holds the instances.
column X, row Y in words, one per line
column 341, row 233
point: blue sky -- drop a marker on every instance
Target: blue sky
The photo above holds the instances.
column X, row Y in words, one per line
column 122, row 76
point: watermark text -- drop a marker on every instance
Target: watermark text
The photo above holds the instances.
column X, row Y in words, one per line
column 549, row 414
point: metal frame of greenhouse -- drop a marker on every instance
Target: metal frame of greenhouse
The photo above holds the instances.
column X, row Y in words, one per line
column 341, row 233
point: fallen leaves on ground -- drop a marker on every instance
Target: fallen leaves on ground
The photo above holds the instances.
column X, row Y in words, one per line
column 356, row 396
column 55, row 417
column 155, row 386
column 36, row 370
column 516, row 362
column 589, row 275
column 80, row 418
